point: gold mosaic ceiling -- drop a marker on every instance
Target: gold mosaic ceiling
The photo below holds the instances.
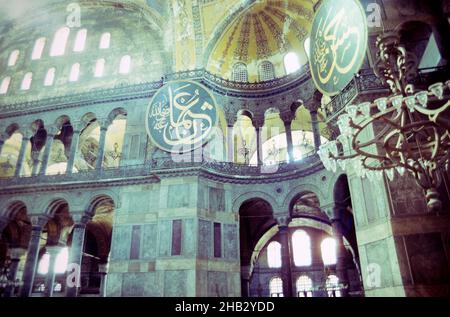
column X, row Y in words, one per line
column 266, row 30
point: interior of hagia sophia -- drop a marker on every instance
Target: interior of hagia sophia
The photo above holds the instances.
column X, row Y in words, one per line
column 81, row 181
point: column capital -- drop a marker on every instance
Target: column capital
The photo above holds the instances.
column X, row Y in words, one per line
column 258, row 122
column 80, row 219
column 27, row 133
column 287, row 117
column 53, row 250
column 231, row 119
column 103, row 123
column 3, row 137
column 17, row 253
column 77, row 126
column 39, row 221
column 52, row 130
column 312, row 105
column 103, row 267
column 283, row 220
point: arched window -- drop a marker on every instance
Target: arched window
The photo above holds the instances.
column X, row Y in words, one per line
column 266, row 71
column 328, row 248
column 307, row 46
column 62, row 260
column 38, row 48
column 125, row 64
column 74, row 72
column 44, row 263
column 80, row 40
column 240, row 73
column 332, row 286
column 5, row 85
column 59, row 42
column 276, row 287
column 301, row 245
column 105, row 40
column 274, row 254
column 99, row 67
column 304, row 286
column 50, row 77
column 13, row 57
column 26, row 82
column 291, row 63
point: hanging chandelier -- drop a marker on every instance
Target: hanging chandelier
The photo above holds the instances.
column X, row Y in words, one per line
column 405, row 132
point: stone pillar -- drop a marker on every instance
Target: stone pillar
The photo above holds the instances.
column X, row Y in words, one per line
column 3, row 138
column 53, row 252
column 315, row 129
column 341, row 267
column 38, row 223
column 76, row 251
column 104, row 124
column 4, row 221
column 35, row 159
column 283, row 233
column 26, row 136
column 287, row 119
column 231, row 120
column 15, row 255
column 258, row 124
column 51, row 132
column 77, row 127
column 245, row 281
column 103, row 270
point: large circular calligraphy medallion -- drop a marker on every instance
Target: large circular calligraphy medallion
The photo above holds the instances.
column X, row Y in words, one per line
column 181, row 116
column 338, row 44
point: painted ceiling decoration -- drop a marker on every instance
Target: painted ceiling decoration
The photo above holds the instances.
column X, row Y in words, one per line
column 266, row 30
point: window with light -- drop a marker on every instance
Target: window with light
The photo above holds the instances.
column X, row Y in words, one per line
column 5, row 85
column 274, row 254
column 80, row 41
column 125, row 64
column 328, row 248
column 301, row 245
column 291, row 63
column 50, row 77
column 304, row 286
column 240, row 73
column 105, row 40
column 13, row 57
column 276, row 287
column 26, row 82
column 61, row 262
column 59, row 42
column 74, row 72
column 99, row 67
column 38, row 48
column 332, row 285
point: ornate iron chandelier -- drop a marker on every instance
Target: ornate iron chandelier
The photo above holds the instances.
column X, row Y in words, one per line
column 407, row 131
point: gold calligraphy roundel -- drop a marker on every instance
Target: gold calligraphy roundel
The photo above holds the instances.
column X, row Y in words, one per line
column 181, row 116
column 338, row 44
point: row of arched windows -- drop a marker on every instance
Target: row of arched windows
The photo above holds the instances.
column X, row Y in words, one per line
column 59, row 44
column 266, row 70
column 301, row 247
column 124, row 68
column 305, row 286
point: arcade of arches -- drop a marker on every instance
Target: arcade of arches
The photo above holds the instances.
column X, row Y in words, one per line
column 91, row 206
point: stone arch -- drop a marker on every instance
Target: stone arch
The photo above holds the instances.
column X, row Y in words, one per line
column 54, row 205
column 98, row 200
column 12, row 207
column 12, row 128
column 116, row 112
column 303, row 188
column 254, row 195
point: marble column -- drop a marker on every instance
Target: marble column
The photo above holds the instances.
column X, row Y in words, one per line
column 3, row 138
column 315, row 129
column 77, row 127
column 231, row 121
column 258, row 124
column 287, row 120
column 341, row 267
column 103, row 270
column 51, row 132
column 15, row 255
column 53, row 252
column 76, row 251
column 26, row 136
column 38, row 223
column 104, row 124
column 283, row 233
column 35, row 159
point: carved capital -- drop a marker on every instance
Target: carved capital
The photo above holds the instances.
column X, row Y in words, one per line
column 287, row 117
column 27, row 133
column 52, row 130
column 104, row 123
column 39, row 221
column 312, row 105
column 283, row 220
column 81, row 219
column 3, row 137
column 77, row 126
column 258, row 122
